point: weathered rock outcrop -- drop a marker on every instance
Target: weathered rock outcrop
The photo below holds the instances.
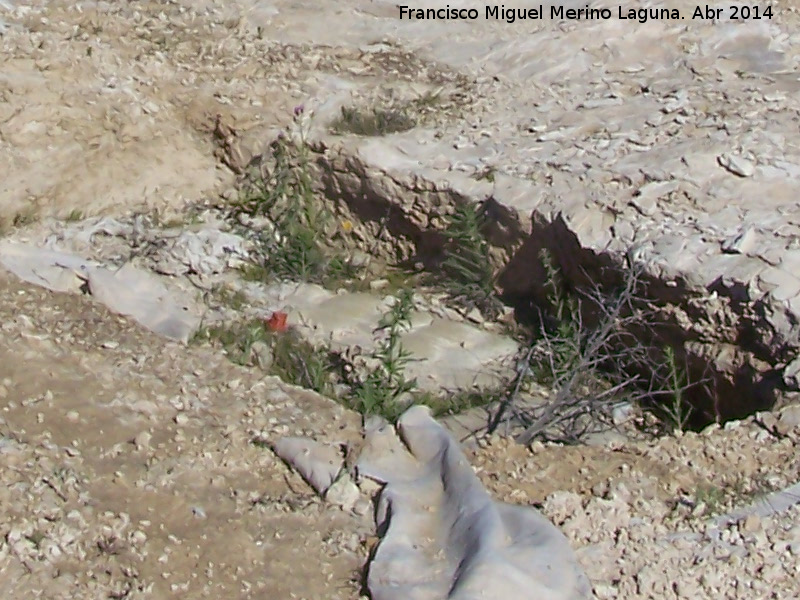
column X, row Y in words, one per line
column 661, row 142
column 664, row 146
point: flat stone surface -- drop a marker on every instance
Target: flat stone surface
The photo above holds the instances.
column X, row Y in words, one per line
column 445, row 354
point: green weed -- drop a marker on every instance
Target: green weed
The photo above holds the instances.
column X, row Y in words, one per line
column 292, row 359
column 735, row 491
column 588, row 353
column 233, row 299
column 427, row 100
column 486, row 174
column 236, row 339
column 676, row 411
column 459, row 401
column 467, row 272
column 375, row 122
column 563, row 327
column 294, row 250
column 300, row 363
column 25, row 217
column 382, row 389
column 583, row 362
column 714, row 497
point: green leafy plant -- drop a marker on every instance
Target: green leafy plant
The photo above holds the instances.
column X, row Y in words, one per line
column 25, row 217
column 384, row 386
column 291, row 358
column 294, row 248
column 585, row 364
column 224, row 295
column 714, row 497
column 300, row 363
column 458, row 401
column 237, row 339
column 676, row 410
column 286, row 196
column 587, row 351
column 563, row 326
column 734, row 490
column 467, row 272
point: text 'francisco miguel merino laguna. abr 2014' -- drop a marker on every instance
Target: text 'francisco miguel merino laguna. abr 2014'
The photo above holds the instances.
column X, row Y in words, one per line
column 556, row 13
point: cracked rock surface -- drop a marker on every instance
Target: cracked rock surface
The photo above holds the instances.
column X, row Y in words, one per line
column 127, row 462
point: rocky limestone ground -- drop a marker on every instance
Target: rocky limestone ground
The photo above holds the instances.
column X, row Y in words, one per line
column 130, row 471
column 128, row 468
column 610, row 142
column 133, row 467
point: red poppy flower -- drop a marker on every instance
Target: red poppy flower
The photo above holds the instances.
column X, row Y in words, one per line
column 277, row 322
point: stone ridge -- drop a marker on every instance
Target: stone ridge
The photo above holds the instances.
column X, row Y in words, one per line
column 664, row 147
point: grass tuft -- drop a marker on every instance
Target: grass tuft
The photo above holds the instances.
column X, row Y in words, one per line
column 74, row 215
column 587, row 352
column 375, row 122
column 25, row 218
